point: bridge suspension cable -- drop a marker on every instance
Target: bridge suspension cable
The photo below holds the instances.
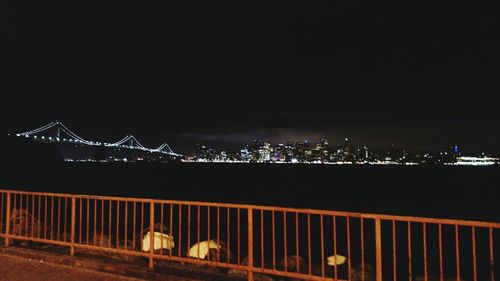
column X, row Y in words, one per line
column 125, row 139
column 138, row 143
column 43, row 128
column 132, row 139
column 134, row 143
column 62, row 127
column 70, row 133
column 160, row 147
column 168, row 150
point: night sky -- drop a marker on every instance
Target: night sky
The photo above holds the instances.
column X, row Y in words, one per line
column 423, row 75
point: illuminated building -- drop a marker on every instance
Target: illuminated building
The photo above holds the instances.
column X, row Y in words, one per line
column 245, row 154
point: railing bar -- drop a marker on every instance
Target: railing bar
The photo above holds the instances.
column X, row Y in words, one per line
column 180, row 230
column 208, row 230
column 118, row 225
column 95, row 221
column 348, row 230
column 7, row 219
column 424, row 234
column 250, row 244
column 322, row 238
column 80, row 203
column 65, row 217
column 134, row 222
column 378, row 250
column 474, row 252
column 151, row 233
column 32, row 215
column 110, row 221
column 20, row 214
column 362, row 250
column 14, row 199
column 274, row 241
column 457, row 250
column 26, row 220
column 198, row 231
column 440, row 237
column 239, row 228
column 394, row 263
column 334, row 222
column 20, row 208
column 142, row 225
column 72, row 235
column 88, row 220
column 492, row 264
column 409, row 252
column 228, row 234
column 297, row 241
column 13, row 203
column 21, row 222
column 1, row 212
column 262, row 238
column 309, row 243
column 51, row 218
column 102, row 223
column 284, row 241
column 171, row 225
column 189, row 227
column 218, row 231
column 45, row 218
column 125, row 225
column 161, row 228
column 39, row 215
column 58, row 218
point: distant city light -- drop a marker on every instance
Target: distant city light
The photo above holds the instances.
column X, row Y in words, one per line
column 262, row 151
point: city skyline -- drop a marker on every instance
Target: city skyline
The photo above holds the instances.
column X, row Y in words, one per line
column 69, row 146
column 56, row 128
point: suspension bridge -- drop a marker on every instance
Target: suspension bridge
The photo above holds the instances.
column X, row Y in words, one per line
column 57, row 132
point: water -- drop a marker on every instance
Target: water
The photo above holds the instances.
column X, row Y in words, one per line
column 431, row 191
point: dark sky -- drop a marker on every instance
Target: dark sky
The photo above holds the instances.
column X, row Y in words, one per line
column 421, row 75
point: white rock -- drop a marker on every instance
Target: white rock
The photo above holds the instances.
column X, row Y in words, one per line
column 336, row 260
column 161, row 240
column 200, row 250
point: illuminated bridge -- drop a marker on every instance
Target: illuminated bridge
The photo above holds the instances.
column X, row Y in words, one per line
column 57, row 132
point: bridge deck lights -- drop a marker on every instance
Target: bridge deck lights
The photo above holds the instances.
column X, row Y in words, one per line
column 135, row 144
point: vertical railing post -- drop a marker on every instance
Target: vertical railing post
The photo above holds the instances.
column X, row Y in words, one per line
column 151, row 232
column 250, row 244
column 7, row 221
column 378, row 249
column 72, row 238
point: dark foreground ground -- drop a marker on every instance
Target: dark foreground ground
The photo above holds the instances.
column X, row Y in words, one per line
column 40, row 262
column 13, row 268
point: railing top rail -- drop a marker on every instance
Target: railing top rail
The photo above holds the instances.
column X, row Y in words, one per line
column 373, row 216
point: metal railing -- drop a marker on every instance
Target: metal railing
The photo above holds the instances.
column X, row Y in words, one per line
column 256, row 241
